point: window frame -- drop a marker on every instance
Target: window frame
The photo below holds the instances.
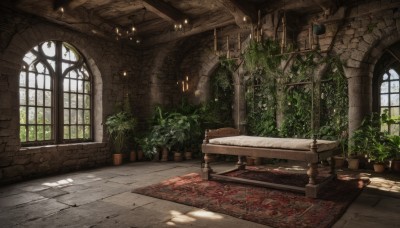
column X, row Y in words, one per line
column 57, row 89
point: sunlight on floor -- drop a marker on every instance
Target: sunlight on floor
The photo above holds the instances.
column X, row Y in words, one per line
column 60, row 183
column 179, row 217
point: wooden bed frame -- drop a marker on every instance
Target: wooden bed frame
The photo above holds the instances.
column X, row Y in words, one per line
column 312, row 157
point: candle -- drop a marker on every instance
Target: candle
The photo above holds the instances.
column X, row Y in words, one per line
column 239, row 42
column 215, row 40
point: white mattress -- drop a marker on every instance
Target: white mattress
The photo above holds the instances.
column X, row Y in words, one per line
column 278, row 143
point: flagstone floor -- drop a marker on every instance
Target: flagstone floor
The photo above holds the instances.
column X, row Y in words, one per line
column 102, row 198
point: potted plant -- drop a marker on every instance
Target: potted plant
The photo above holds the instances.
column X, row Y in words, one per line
column 119, row 126
column 379, row 154
column 394, row 144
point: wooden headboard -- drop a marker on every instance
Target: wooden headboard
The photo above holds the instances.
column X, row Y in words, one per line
column 220, row 132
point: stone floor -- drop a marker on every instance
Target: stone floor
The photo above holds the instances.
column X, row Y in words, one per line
column 102, row 198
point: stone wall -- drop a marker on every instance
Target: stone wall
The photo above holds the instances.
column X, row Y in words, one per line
column 106, row 59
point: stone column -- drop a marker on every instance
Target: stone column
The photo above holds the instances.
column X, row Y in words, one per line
column 360, row 96
column 239, row 103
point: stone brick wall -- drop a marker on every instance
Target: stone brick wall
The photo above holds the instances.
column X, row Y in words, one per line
column 106, row 59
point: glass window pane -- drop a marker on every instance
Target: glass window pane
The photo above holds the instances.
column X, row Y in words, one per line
column 66, row 116
column 73, row 132
column 40, row 98
column 80, row 116
column 68, row 53
column 80, row 101
column 384, row 100
column 47, row 132
column 47, row 116
column 73, row 74
column 29, row 57
column 87, row 117
column 22, row 114
column 384, row 128
column 73, row 100
column 49, row 48
column 385, row 87
column 32, row 80
column 40, row 81
column 32, row 97
column 22, row 133
column 87, row 87
column 385, row 77
column 394, row 99
column 393, row 74
column 32, row 133
column 52, row 64
column 66, row 132
column 66, row 100
column 40, row 117
column 73, row 116
column 80, row 132
column 80, row 86
column 66, row 84
column 394, row 86
column 64, row 67
column 87, row 101
column 394, row 129
column 40, row 68
column 87, row 132
column 47, row 82
column 40, row 133
column 31, row 115
column 73, row 86
column 22, row 96
column 22, row 79
column 47, row 98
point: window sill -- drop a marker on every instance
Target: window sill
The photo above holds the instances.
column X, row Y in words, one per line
column 74, row 146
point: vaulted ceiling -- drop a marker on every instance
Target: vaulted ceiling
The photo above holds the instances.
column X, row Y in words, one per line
column 159, row 21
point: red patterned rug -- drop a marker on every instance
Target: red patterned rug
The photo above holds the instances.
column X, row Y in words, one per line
column 261, row 205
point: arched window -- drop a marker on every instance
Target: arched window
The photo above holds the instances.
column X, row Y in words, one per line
column 389, row 94
column 55, row 95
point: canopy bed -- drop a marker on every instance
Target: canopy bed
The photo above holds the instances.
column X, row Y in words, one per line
column 228, row 141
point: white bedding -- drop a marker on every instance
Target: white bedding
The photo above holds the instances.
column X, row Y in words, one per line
column 278, row 143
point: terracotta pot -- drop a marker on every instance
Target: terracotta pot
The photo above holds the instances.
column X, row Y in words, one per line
column 339, row 161
column 379, row 167
column 164, row 154
column 177, row 156
column 188, row 155
column 353, row 163
column 117, row 159
column 396, row 165
column 132, row 156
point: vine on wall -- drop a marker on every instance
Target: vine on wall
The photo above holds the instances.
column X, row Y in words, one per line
column 284, row 80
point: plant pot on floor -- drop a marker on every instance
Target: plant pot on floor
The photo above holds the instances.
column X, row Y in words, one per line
column 188, row 155
column 140, row 155
column 396, row 165
column 379, row 167
column 164, row 154
column 117, row 159
column 177, row 156
column 353, row 163
column 132, row 156
column 339, row 161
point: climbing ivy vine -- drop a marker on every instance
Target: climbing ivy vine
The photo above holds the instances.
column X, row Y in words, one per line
column 278, row 88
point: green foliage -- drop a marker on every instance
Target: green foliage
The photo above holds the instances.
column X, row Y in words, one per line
column 119, row 126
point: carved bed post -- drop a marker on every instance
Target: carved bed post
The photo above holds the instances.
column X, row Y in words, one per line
column 206, row 170
column 312, row 171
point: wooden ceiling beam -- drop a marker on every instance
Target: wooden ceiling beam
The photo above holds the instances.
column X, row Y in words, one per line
column 78, row 19
column 198, row 27
column 164, row 10
column 240, row 10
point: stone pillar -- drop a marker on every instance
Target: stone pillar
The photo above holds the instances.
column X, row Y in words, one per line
column 360, row 96
column 239, row 103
